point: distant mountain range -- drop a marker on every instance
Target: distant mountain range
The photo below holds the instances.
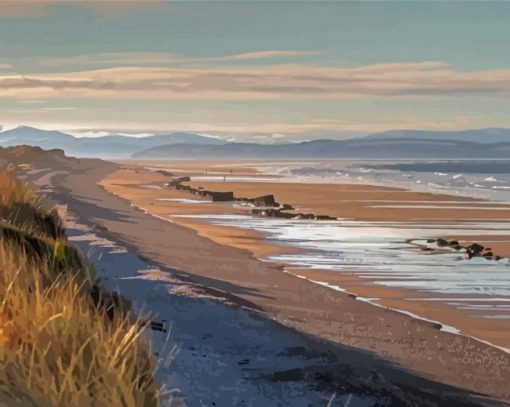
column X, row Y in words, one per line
column 401, row 144
column 370, row 148
column 115, row 146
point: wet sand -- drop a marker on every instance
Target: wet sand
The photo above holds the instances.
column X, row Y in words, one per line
column 416, row 346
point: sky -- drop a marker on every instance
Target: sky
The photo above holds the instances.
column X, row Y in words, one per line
column 254, row 70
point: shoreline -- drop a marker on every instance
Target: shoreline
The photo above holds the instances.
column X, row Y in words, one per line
column 443, row 327
column 268, row 289
column 484, row 330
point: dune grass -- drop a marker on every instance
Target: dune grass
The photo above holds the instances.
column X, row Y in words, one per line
column 13, row 190
column 58, row 345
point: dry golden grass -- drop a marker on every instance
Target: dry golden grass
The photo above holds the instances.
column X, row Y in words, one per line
column 14, row 191
column 57, row 348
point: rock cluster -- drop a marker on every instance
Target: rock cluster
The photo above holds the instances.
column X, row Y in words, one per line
column 473, row 250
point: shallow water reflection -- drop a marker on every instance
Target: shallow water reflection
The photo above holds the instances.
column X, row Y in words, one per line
column 389, row 254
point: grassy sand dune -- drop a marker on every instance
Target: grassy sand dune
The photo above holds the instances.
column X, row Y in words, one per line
column 61, row 343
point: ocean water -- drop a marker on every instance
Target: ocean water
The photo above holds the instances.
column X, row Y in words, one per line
column 484, row 179
column 390, row 254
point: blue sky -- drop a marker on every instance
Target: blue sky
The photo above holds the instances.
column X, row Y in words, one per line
column 254, row 69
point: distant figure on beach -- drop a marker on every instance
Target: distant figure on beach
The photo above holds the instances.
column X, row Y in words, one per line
column 224, row 178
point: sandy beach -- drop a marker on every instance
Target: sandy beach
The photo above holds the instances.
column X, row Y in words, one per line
column 224, row 260
column 358, row 202
column 417, row 357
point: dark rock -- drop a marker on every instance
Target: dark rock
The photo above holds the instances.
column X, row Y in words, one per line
column 265, row 200
column 475, row 248
column 431, row 240
column 488, row 254
column 158, row 326
column 284, row 215
column 163, row 172
column 180, row 187
column 453, row 243
column 441, row 242
column 221, row 196
column 325, row 217
column 178, row 181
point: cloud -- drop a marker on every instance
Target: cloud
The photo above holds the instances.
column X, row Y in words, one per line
column 269, row 82
column 5, row 66
column 116, row 59
column 264, row 55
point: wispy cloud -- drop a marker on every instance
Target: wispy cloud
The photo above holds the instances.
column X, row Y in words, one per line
column 117, row 59
column 267, row 82
column 264, row 55
column 5, row 66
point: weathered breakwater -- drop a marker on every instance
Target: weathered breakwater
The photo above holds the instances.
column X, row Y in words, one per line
column 265, row 205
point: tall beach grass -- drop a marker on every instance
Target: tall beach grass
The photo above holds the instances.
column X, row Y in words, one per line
column 60, row 346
